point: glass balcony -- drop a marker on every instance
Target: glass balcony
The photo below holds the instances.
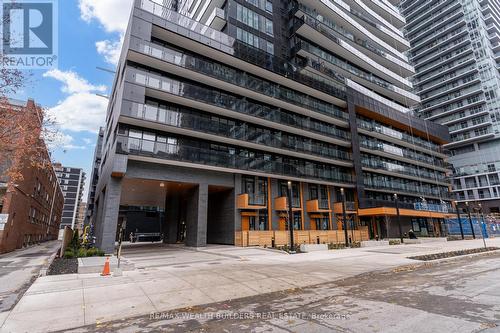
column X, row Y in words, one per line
column 372, row 144
column 233, row 76
column 193, row 120
column 360, row 57
column 241, row 105
column 194, row 30
column 396, row 185
column 429, row 175
column 440, row 208
column 335, row 61
column 231, row 158
column 376, row 127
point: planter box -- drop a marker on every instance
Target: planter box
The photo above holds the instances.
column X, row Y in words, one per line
column 373, row 243
column 313, row 247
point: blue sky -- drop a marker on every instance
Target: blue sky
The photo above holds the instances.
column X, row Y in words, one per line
column 89, row 36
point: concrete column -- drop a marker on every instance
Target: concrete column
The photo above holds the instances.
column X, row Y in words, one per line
column 171, row 219
column 237, row 191
column 196, row 216
column 108, row 219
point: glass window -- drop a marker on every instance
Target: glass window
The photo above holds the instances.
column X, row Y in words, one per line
column 135, row 134
column 269, row 6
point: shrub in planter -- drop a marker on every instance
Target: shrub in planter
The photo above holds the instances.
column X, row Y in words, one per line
column 394, row 242
column 75, row 241
column 356, row 244
column 69, row 254
column 91, row 252
column 336, row 246
column 95, row 252
column 81, row 253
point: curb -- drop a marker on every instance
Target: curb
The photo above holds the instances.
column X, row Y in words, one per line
column 46, row 266
column 429, row 263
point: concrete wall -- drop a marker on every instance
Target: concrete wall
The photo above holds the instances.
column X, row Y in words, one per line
column 196, row 216
column 220, row 224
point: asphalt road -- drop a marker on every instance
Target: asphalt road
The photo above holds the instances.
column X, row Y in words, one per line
column 456, row 296
column 19, row 269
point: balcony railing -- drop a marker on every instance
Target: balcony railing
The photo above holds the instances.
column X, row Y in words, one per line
column 181, row 118
column 228, row 159
column 412, row 188
column 281, row 203
column 234, row 77
column 194, row 30
column 440, row 208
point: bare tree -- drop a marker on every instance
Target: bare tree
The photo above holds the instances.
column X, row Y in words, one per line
column 25, row 132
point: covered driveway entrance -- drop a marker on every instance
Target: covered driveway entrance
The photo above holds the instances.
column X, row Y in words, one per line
column 176, row 212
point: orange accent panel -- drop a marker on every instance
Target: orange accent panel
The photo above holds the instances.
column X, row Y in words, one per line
column 337, row 209
column 403, row 212
column 280, row 204
column 312, row 206
column 242, row 202
column 312, row 223
column 245, row 225
column 248, row 213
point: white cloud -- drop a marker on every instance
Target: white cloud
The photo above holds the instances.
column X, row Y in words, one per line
column 73, row 83
column 112, row 14
column 110, row 50
column 87, row 141
column 80, row 112
column 64, row 141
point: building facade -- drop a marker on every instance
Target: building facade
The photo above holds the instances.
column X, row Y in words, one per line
column 80, row 216
column 72, row 182
column 456, row 53
column 218, row 105
column 30, row 208
column 89, row 213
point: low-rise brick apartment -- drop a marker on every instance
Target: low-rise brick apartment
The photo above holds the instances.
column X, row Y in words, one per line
column 30, row 207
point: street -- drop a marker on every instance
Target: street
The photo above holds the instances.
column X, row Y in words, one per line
column 462, row 295
column 18, row 270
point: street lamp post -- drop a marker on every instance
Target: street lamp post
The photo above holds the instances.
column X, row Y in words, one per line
column 470, row 220
column 344, row 217
column 290, row 217
column 396, row 201
column 459, row 220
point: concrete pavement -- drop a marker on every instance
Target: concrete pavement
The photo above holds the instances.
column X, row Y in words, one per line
column 18, row 270
column 455, row 296
column 168, row 278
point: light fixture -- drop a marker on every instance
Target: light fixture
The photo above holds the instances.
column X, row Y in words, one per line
column 162, row 184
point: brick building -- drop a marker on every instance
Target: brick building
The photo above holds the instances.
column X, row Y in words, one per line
column 30, row 209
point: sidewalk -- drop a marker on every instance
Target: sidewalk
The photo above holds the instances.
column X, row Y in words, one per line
column 17, row 271
column 173, row 277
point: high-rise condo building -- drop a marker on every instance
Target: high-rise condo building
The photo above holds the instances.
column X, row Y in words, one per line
column 94, row 178
column 219, row 107
column 456, row 53
column 72, row 182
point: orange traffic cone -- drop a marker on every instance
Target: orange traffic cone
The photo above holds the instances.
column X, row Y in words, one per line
column 105, row 271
